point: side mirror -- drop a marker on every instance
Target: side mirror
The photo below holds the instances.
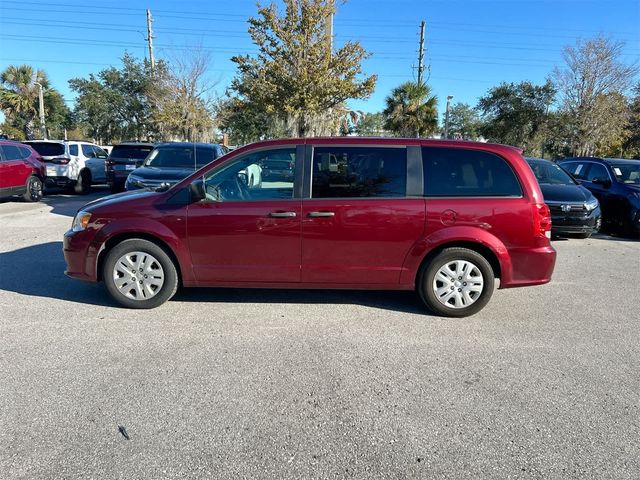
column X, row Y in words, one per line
column 196, row 190
column 605, row 182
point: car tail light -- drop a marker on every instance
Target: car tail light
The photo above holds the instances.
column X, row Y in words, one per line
column 108, row 162
column 542, row 220
column 61, row 160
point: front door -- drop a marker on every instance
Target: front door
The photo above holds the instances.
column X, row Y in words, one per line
column 358, row 225
column 248, row 227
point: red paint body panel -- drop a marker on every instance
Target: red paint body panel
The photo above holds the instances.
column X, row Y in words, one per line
column 239, row 241
column 375, row 243
column 365, row 242
column 15, row 173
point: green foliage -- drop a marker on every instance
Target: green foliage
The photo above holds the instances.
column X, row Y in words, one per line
column 411, row 110
column 370, row 125
column 464, row 122
column 514, row 114
column 631, row 146
column 19, row 102
column 245, row 122
column 296, row 77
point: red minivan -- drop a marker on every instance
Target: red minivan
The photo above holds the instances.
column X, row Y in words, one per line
column 21, row 171
column 444, row 218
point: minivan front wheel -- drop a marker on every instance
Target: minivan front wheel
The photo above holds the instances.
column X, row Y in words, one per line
column 458, row 282
column 139, row 274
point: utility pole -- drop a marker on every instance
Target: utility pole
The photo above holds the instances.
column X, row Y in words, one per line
column 446, row 118
column 329, row 30
column 421, row 53
column 150, row 40
column 43, row 128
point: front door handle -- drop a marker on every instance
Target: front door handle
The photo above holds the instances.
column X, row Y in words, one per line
column 322, row 214
column 282, row 214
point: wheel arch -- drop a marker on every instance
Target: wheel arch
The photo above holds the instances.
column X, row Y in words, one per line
column 120, row 237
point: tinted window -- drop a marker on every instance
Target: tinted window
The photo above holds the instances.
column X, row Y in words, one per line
column 11, row 152
column 25, row 152
column 48, row 149
column 548, row 173
column 73, row 150
column 456, row 172
column 136, row 152
column 244, row 179
column 183, row 156
column 627, row 172
column 88, row 151
column 597, row 171
column 577, row 169
column 340, row 172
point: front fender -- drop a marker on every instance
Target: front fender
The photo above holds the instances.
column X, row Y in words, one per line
column 145, row 228
column 456, row 236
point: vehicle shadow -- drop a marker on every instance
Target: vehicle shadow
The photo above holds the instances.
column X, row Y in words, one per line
column 38, row 271
column 63, row 203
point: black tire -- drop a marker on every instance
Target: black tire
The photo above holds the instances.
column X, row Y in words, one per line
column 34, row 189
column 428, row 273
column 83, row 185
column 116, row 188
column 164, row 293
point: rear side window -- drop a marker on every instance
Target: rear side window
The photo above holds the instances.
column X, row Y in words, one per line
column 343, row 172
column 48, row 149
column 135, row 152
column 73, row 150
column 11, row 152
column 458, row 172
column 25, row 152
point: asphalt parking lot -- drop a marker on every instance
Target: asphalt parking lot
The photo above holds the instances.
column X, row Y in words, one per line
column 543, row 383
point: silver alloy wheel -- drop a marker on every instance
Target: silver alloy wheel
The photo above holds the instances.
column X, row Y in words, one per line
column 138, row 275
column 458, row 284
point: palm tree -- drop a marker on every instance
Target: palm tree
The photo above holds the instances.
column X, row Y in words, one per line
column 411, row 110
column 19, row 94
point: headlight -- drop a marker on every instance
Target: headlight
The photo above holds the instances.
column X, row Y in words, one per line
column 80, row 221
column 591, row 204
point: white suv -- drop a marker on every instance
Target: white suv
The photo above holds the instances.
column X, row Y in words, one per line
column 71, row 164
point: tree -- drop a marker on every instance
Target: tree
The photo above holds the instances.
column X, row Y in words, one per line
column 182, row 101
column 632, row 143
column 371, row 125
column 19, row 102
column 245, row 122
column 411, row 110
column 591, row 85
column 515, row 114
column 464, row 122
column 114, row 104
column 296, row 76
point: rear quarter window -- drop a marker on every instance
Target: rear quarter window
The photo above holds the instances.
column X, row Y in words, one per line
column 459, row 172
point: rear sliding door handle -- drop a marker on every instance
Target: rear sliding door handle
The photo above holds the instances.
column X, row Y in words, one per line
column 322, row 214
column 282, row 214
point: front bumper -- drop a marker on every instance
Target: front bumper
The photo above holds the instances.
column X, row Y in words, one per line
column 79, row 255
column 586, row 222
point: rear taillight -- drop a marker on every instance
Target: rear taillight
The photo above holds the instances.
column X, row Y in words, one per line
column 61, row 160
column 541, row 220
column 108, row 162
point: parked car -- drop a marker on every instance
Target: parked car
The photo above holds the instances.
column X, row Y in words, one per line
column 574, row 209
column 169, row 163
column 616, row 184
column 443, row 218
column 21, row 171
column 71, row 164
column 123, row 159
column 278, row 167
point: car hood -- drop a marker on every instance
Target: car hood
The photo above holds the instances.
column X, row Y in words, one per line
column 565, row 193
column 163, row 173
column 119, row 198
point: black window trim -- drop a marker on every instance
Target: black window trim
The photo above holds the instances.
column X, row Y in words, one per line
column 445, row 197
column 308, row 180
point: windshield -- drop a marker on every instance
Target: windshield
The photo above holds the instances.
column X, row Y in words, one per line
column 47, row 149
column 627, row 172
column 137, row 152
column 548, row 173
column 180, row 157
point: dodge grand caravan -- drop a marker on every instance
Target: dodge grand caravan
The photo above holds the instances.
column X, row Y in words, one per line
column 444, row 218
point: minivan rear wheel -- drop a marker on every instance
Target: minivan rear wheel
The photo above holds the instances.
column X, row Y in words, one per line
column 139, row 274
column 458, row 282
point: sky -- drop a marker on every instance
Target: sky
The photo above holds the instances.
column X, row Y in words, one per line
column 470, row 45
